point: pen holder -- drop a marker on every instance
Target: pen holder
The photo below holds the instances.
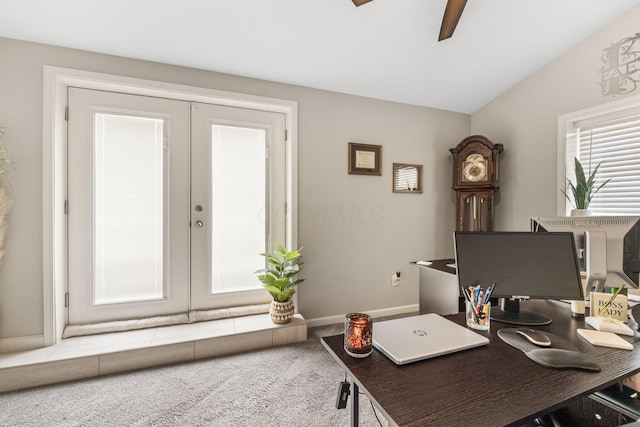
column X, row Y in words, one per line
column 358, row 335
column 478, row 317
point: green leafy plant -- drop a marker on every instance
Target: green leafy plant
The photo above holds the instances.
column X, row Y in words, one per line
column 584, row 189
column 278, row 277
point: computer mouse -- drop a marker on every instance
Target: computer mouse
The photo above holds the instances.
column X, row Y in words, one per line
column 534, row 337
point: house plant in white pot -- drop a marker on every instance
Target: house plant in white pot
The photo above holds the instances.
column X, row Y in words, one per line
column 279, row 280
column 583, row 190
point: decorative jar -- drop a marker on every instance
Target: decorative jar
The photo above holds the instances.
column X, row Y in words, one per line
column 358, row 335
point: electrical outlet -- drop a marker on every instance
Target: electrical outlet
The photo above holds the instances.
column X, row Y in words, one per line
column 395, row 279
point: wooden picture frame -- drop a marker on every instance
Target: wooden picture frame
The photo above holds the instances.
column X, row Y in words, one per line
column 407, row 178
column 365, row 159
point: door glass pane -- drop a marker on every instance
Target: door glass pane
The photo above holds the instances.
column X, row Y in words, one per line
column 239, row 230
column 128, row 208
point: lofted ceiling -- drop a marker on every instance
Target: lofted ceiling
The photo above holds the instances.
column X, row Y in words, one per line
column 385, row 49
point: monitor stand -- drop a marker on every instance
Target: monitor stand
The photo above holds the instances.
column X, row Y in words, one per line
column 510, row 313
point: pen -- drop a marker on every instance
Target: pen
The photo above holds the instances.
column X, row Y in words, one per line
column 466, row 297
column 489, row 291
column 487, row 295
column 604, row 307
column 479, row 302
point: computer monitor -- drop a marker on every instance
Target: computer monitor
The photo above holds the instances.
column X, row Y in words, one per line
column 523, row 265
column 608, row 247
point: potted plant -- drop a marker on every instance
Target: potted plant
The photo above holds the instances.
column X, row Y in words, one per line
column 279, row 280
column 583, row 190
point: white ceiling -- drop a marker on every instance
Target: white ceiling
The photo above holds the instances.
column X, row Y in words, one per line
column 385, row 49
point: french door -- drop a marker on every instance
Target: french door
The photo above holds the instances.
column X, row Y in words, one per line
column 170, row 203
column 237, row 202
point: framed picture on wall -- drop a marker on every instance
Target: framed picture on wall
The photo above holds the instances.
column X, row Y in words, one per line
column 365, row 159
column 407, row 178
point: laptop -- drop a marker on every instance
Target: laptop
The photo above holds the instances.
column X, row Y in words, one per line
column 410, row 339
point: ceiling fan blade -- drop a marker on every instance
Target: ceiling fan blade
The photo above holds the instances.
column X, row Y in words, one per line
column 360, row 2
column 452, row 14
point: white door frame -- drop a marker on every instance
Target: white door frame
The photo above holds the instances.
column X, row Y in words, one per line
column 54, row 228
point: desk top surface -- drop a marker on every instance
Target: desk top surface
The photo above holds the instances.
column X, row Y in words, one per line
column 440, row 264
column 491, row 385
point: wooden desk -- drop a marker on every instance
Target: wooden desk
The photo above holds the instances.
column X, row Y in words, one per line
column 493, row 385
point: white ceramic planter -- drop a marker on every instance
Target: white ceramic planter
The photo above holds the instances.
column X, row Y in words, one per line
column 580, row 212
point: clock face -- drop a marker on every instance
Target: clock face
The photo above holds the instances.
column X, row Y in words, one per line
column 475, row 168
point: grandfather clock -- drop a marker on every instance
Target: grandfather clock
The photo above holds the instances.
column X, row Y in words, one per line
column 475, row 179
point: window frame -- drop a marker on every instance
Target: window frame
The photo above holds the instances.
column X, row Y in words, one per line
column 567, row 141
column 56, row 80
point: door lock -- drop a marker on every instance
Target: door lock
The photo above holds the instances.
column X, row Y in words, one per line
column 198, row 224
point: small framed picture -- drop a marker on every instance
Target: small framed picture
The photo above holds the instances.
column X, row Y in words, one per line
column 365, row 159
column 407, row 178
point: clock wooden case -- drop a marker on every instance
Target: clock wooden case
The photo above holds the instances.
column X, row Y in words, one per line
column 475, row 180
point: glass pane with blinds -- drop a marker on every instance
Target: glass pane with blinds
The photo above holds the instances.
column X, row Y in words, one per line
column 406, row 178
column 239, row 206
column 128, row 208
column 616, row 146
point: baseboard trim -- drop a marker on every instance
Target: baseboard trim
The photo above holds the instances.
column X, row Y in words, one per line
column 332, row 320
column 31, row 342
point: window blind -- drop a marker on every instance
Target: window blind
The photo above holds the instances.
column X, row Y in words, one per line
column 406, row 178
column 614, row 142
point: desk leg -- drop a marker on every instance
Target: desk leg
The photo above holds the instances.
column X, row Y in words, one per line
column 354, row 405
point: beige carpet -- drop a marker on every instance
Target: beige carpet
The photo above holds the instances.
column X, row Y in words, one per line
column 294, row 385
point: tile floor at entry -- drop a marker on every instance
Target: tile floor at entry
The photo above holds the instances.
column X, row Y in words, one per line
column 95, row 355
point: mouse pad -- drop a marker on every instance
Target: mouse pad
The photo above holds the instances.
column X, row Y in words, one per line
column 561, row 355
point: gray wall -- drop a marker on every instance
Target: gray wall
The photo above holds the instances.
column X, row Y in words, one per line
column 355, row 231
column 525, row 120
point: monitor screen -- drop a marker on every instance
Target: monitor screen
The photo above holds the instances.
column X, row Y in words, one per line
column 608, row 243
column 523, row 265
